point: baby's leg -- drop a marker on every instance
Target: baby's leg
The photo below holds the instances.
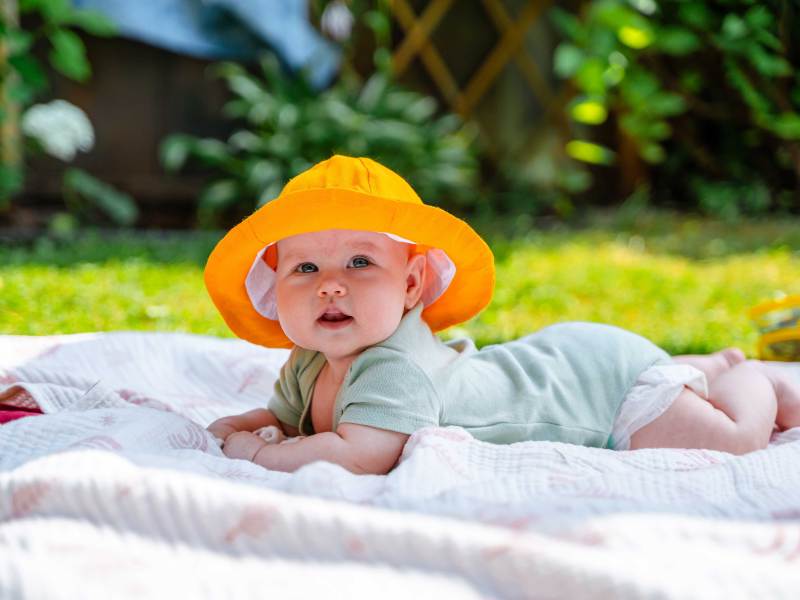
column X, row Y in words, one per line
column 787, row 390
column 713, row 365
column 738, row 416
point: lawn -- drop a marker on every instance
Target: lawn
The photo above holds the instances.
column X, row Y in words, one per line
column 686, row 283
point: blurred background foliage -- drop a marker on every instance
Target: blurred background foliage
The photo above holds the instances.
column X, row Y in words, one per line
column 686, row 105
column 284, row 126
column 30, row 29
column 705, row 94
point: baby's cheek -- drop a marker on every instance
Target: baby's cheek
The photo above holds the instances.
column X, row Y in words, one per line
column 388, row 322
column 292, row 330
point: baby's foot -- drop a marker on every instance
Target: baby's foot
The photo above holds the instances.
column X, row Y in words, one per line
column 716, row 363
column 732, row 356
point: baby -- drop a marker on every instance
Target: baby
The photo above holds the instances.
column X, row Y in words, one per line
column 350, row 269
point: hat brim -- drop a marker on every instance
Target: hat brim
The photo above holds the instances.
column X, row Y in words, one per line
column 230, row 261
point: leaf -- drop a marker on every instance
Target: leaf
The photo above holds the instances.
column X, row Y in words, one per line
column 589, row 77
column 397, row 100
column 652, row 152
column 637, row 38
column 658, row 130
column 246, row 87
column 590, row 111
column 567, row 59
column 446, row 125
column 590, row 152
column 575, row 180
column 373, row 92
column 638, row 86
column 287, row 118
column 378, row 23
column 421, row 110
column 29, row 5
column 734, row 27
column 261, row 173
column 786, row 126
column 665, row 104
column 769, row 64
column 117, row 205
column 677, row 41
column 92, row 22
column 217, row 196
column 52, row 11
column 30, row 72
column 19, row 41
column 696, row 14
column 395, row 133
column 69, row 55
column 278, row 82
column 691, row 81
column 568, row 23
column 613, row 15
column 245, row 140
column 759, row 17
column 752, row 97
column 174, row 151
column 211, row 151
column 281, row 145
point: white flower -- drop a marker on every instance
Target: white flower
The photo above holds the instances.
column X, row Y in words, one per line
column 337, row 20
column 60, row 127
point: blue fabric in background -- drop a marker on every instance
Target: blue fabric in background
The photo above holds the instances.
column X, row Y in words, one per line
column 226, row 29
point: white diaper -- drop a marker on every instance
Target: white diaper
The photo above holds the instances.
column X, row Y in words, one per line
column 651, row 395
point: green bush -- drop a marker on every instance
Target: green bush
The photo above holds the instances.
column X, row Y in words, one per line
column 708, row 94
column 285, row 126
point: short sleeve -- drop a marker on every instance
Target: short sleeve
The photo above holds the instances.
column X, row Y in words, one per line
column 287, row 402
column 389, row 391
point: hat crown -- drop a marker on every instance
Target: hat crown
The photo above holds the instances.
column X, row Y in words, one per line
column 358, row 174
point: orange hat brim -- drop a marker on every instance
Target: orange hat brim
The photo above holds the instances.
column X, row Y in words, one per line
column 313, row 210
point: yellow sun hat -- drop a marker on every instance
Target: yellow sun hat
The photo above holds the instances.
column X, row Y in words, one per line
column 347, row 193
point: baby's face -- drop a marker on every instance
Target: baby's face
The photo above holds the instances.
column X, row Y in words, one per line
column 340, row 291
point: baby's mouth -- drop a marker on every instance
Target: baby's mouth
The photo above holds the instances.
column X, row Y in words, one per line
column 334, row 319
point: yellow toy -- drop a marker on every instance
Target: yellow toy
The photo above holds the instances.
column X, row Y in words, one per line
column 779, row 324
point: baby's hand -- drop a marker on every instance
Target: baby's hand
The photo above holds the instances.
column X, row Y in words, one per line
column 222, row 428
column 242, row 444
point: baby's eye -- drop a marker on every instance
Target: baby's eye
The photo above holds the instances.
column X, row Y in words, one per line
column 359, row 262
column 306, row 268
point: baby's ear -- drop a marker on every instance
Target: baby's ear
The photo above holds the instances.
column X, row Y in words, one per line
column 415, row 279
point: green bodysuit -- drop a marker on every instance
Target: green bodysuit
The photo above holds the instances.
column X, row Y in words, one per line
column 563, row 383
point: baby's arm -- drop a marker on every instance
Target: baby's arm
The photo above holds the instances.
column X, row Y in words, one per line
column 358, row 448
column 249, row 421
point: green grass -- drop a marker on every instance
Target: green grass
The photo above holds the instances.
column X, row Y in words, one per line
column 685, row 283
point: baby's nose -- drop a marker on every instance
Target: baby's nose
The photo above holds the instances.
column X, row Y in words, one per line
column 331, row 287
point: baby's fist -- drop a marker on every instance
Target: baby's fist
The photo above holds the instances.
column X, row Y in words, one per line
column 242, row 444
column 222, row 428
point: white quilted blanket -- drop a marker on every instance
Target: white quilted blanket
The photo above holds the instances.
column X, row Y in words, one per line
column 118, row 491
